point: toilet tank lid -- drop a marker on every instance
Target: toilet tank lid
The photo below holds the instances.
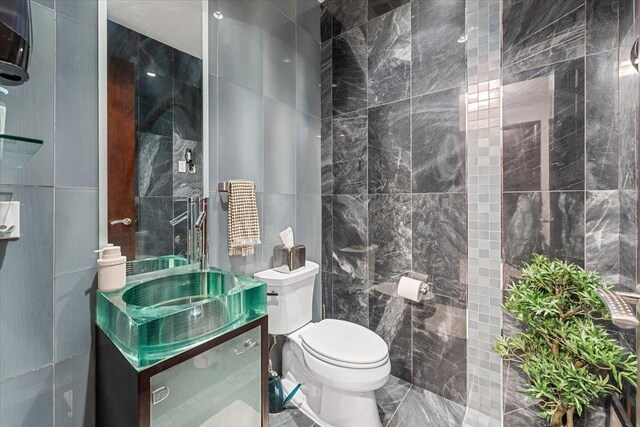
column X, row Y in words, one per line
column 275, row 278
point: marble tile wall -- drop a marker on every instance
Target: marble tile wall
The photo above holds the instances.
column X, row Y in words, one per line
column 264, row 122
column 569, row 150
column 168, row 122
column 393, row 180
column 47, row 277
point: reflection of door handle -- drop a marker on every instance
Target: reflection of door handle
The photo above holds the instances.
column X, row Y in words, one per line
column 246, row 346
column 159, row 394
column 125, row 221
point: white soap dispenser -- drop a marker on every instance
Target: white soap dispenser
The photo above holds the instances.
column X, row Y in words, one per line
column 112, row 269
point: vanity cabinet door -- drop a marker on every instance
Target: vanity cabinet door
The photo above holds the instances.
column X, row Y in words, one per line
column 220, row 387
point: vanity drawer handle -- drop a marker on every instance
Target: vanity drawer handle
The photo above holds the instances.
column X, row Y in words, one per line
column 159, row 394
column 246, row 346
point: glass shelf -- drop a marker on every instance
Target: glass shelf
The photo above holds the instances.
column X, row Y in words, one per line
column 15, row 151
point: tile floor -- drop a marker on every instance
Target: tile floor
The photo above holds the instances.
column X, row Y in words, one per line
column 401, row 404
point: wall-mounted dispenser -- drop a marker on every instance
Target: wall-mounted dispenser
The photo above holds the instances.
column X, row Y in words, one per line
column 15, row 41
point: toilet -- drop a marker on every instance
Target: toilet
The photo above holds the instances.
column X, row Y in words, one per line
column 340, row 364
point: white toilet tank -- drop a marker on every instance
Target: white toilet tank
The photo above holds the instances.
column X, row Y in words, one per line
column 289, row 297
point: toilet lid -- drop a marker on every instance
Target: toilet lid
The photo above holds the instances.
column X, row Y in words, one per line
column 345, row 344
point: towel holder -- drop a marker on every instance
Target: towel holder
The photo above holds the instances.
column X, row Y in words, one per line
column 223, row 187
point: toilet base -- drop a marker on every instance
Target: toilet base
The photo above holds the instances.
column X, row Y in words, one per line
column 329, row 406
column 341, row 408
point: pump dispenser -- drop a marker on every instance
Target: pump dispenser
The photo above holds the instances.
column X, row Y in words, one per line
column 112, row 270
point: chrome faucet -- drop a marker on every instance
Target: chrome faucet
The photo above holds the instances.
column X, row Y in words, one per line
column 196, row 217
column 619, row 305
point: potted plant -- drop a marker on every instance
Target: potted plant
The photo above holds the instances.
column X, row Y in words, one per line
column 563, row 347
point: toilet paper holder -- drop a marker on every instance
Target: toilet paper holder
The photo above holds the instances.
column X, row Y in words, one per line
column 426, row 286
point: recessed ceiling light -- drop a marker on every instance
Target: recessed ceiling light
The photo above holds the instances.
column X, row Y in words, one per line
column 462, row 39
column 4, row 90
column 286, row 60
column 151, row 74
column 217, row 14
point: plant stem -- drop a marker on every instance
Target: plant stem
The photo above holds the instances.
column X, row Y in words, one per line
column 570, row 412
column 556, row 418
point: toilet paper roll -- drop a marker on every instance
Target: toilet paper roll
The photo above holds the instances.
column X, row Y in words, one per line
column 410, row 289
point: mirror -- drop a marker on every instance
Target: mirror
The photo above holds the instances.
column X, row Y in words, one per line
column 152, row 69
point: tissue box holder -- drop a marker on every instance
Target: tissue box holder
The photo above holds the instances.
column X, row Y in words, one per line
column 288, row 260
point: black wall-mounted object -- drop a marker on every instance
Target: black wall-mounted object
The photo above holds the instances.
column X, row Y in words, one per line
column 15, row 41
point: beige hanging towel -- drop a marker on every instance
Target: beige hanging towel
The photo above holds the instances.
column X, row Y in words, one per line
column 243, row 225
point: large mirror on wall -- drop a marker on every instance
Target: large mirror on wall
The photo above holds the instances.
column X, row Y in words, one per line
column 154, row 144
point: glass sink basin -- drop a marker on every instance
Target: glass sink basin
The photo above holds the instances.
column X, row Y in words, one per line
column 141, row 266
column 163, row 314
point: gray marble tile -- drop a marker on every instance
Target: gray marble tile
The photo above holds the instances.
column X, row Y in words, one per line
column 279, row 59
column 550, row 223
column 524, row 417
column 76, row 130
column 347, row 14
column 26, row 334
column 155, row 105
column 290, row 418
column 74, row 312
column 325, row 20
column 438, row 143
column 308, row 74
column 439, row 224
column 154, row 164
column 327, row 233
column 380, row 7
column 27, row 400
column 351, row 253
column 565, row 139
column 390, row 318
column 153, row 56
column 154, row 235
column 308, row 154
column 76, row 229
column 440, row 348
column 602, row 25
column 326, row 79
column 85, row 10
column 390, row 396
column 349, row 65
column 180, row 230
column 628, row 111
column 389, row 151
column 187, row 184
column 35, row 99
column 521, row 156
column 533, row 37
column 390, row 234
column 350, row 299
column 602, row 246
column 602, row 137
column 187, row 69
column 279, row 213
column 514, row 383
column 327, row 294
column 240, row 47
column 326, row 156
column 279, row 135
column 626, row 20
column 389, row 53
column 308, row 17
column 240, row 133
column 75, row 391
column 628, row 238
column 438, row 60
column 350, row 153
column 423, row 408
column 187, row 111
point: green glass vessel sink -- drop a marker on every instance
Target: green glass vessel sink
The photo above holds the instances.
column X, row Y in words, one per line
column 163, row 314
column 142, row 266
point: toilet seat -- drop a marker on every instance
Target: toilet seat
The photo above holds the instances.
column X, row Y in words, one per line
column 345, row 344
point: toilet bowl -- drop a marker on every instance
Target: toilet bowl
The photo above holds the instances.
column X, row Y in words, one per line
column 340, row 364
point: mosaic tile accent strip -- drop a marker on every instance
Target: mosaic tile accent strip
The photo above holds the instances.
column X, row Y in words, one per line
column 484, row 143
